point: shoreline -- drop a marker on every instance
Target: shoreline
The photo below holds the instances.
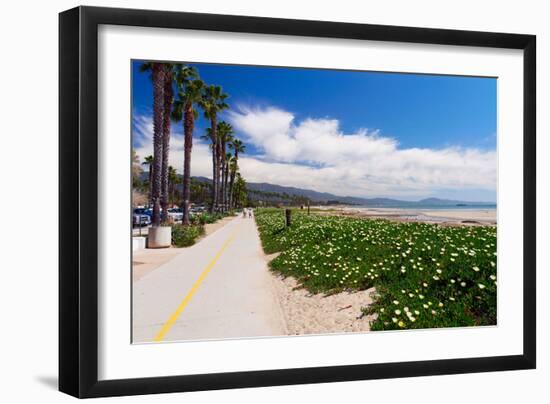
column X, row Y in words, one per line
column 449, row 217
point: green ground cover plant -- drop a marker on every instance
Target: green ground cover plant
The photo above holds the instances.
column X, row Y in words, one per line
column 185, row 236
column 424, row 275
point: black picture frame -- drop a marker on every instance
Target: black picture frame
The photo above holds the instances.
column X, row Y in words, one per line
column 78, row 196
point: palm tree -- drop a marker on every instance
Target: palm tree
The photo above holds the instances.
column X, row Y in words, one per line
column 228, row 157
column 172, row 182
column 238, row 147
column 212, row 104
column 231, row 171
column 241, row 192
column 158, row 73
column 225, row 134
column 149, row 162
column 168, row 99
column 190, row 93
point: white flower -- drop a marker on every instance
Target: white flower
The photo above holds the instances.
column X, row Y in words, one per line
column 476, row 269
column 394, row 319
column 440, row 304
column 481, row 285
column 396, row 302
column 398, row 312
column 493, row 277
column 463, row 284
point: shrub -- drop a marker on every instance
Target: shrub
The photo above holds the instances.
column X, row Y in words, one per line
column 184, row 236
column 207, row 218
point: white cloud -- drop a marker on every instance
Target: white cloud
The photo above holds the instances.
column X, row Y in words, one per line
column 315, row 154
column 201, row 160
column 319, row 155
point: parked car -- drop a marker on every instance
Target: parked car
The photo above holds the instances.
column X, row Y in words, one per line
column 143, row 211
column 176, row 214
column 141, row 220
column 197, row 209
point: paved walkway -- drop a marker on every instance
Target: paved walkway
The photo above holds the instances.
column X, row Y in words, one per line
column 218, row 288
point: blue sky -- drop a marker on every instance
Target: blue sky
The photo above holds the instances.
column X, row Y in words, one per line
column 359, row 133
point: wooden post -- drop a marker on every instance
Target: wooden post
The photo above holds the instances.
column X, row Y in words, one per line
column 287, row 214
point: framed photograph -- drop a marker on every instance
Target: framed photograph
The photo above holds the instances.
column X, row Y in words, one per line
column 251, row 201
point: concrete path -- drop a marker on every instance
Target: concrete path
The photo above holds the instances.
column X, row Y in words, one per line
column 218, row 288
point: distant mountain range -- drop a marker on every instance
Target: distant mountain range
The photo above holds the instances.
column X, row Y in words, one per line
column 279, row 193
column 266, row 190
column 327, row 197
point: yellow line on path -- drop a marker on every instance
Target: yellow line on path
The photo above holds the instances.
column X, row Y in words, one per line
column 166, row 327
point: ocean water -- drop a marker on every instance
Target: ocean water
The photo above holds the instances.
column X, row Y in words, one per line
column 419, row 206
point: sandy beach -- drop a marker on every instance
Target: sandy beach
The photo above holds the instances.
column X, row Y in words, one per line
column 306, row 313
column 449, row 216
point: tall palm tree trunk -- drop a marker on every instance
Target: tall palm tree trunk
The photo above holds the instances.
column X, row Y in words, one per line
column 150, row 183
column 158, row 120
column 189, row 124
column 220, row 172
column 215, row 160
column 231, row 185
column 222, row 183
column 225, row 185
column 222, row 169
column 168, row 98
column 232, row 180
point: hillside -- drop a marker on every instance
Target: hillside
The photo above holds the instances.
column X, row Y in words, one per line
column 272, row 193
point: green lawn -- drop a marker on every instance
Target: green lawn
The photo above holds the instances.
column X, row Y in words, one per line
column 425, row 275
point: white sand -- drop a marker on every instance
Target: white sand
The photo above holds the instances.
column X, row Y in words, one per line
column 444, row 216
column 464, row 214
column 305, row 313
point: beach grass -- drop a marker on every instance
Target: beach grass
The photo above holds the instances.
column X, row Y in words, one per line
column 424, row 275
